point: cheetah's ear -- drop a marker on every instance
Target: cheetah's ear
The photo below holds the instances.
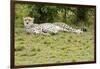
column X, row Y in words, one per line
column 33, row 19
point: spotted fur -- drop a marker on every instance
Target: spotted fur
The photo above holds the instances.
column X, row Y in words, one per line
column 47, row 28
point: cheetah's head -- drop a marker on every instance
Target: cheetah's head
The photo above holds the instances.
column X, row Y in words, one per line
column 28, row 21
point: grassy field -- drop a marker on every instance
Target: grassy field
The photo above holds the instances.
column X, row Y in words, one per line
column 59, row 48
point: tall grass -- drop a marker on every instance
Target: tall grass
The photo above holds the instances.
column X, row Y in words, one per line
column 59, row 48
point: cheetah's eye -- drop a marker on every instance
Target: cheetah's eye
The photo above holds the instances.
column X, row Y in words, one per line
column 29, row 20
column 25, row 19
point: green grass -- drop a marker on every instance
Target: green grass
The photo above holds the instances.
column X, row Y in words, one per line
column 59, row 48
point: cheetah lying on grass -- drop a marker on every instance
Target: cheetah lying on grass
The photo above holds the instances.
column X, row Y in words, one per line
column 47, row 28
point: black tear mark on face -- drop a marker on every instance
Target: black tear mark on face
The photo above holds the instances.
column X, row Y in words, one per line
column 27, row 23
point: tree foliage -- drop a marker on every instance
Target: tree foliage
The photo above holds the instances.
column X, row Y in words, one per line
column 53, row 13
column 43, row 13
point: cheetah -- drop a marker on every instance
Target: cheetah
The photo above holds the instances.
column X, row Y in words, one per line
column 47, row 28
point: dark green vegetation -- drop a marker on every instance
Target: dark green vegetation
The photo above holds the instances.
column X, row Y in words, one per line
column 58, row 48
